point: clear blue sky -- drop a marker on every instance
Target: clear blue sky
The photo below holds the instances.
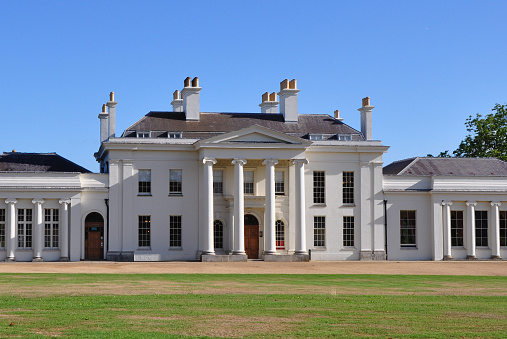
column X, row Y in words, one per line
column 427, row 65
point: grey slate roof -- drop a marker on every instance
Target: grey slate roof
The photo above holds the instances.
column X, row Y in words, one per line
column 211, row 124
column 482, row 167
column 37, row 162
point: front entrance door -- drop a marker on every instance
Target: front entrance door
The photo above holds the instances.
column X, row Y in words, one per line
column 94, row 236
column 251, row 236
column 94, row 249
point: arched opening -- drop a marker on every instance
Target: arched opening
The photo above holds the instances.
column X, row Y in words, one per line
column 94, row 236
column 280, row 235
column 251, row 236
column 218, row 234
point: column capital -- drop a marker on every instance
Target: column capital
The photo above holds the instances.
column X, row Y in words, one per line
column 300, row 161
column 205, row 160
column 496, row 203
column 64, row 201
column 364, row 164
column 238, row 161
column 11, row 201
column 38, row 201
column 446, row 203
column 270, row 162
column 471, row 203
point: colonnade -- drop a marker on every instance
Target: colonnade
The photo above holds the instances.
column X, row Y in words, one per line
column 470, row 228
column 238, row 246
column 11, row 233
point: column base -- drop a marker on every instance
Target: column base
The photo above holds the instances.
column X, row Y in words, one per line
column 270, row 253
column 447, row 257
column 238, row 253
column 208, row 253
column 10, row 259
column 223, row 258
column 496, row 257
column 37, row 260
column 471, row 257
column 286, row 257
column 64, row 259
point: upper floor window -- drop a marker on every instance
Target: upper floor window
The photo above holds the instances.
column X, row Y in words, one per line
column 143, row 134
column 456, row 228
column 315, row 137
column 407, row 229
column 174, row 135
column 25, row 228
column 279, row 183
column 218, row 181
column 175, row 181
column 344, row 137
column 51, row 228
column 248, row 182
column 319, row 187
column 144, row 182
column 348, row 187
column 481, row 228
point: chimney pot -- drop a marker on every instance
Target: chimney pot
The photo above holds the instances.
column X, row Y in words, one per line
column 265, row 97
column 186, row 82
column 272, row 96
column 111, row 96
column 284, row 84
column 104, row 108
column 293, row 84
column 366, row 101
column 176, row 95
column 195, row 82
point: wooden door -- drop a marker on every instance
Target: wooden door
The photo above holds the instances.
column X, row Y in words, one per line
column 252, row 241
column 94, row 246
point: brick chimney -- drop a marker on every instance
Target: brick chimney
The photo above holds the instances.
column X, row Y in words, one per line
column 269, row 103
column 190, row 95
column 289, row 100
column 177, row 102
column 111, row 104
column 366, row 120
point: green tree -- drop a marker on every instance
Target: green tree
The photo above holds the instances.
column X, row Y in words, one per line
column 488, row 135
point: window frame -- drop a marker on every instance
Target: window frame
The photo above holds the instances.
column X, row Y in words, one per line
column 503, row 228
column 2, row 227
column 348, row 234
column 175, row 135
column 348, row 188
column 319, row 187
column 175, row 232
column 457, row 228
column 143, row 185
column 218, row 189
column 249, row 187
column 175, row 186
column 218, row 234
column 280, row 235
column 319, row 231
column 25, row 226
column 481, row 228
column 144, row 232
column 280, row 185
column 51, row 228
column 143, row 134
column 411, row 230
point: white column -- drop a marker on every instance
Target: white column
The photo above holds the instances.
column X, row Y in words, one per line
column 38, row 233
column 208, row 205
column 11, row 229
column 269, row 222
column 495, row 230
column 300, row 206
column 64, row 229
column 239, row 207
column 471, row 229
column 447, row 229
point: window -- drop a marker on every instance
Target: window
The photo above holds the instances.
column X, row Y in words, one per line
column 407, row 229
column 144, row 231
column 481, row 228
column 344, row 137
column 503, row 228
column 348, row 187
column 218, row 234
column 279, row 183
column 24, row 228
column 51, row 223
column 456, row 228
column 280, row 235
column 175, row 231
column 315, row 137
column 319, row 231
column 319, row 188
column 348, row 231
column 143, row 134
column 218, row 182
column 175, row 179
column 2, row 227
column 174, row 135
column 144, row 182
column 248, row 182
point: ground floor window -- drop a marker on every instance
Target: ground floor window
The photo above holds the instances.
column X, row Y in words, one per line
column 218, row 234
column 280, row 235
column 457, row 228
column 2, row 227
column 144, row 231
column 51, row 224
column 481, row 228
column 25, row 217
column 348, row 231
column 319, row 231
column 175, row 231
column 407, row 228
column 503, row 228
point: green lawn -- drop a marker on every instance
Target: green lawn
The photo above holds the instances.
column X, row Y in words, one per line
column 200, row 305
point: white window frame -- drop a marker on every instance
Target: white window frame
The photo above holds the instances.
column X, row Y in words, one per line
column 218, row 189
column 51, row 228
column 175, row 232
column 316, row 188
column 143, row 134
column 174, row 135
column 315, row 137
column 348, row 231
column 144, row 182
column 144, row 237
column 279, row 185
column 25, row 224
column 175, row 182
column 2, row 227
column 247, row 184
column 319, row 233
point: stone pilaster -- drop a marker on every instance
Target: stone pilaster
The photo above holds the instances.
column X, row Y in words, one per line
column 447, row 229
column 64, row 229
column 208, row 205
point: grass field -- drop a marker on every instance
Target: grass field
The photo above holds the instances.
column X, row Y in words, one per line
column 253, row 306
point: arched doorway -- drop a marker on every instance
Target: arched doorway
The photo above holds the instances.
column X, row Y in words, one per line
column 94, row 236
column 251, row 236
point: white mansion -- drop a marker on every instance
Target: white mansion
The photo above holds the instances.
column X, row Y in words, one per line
column 275, row 185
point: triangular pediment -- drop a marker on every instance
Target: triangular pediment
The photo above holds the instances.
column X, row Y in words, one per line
column 255, row 135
